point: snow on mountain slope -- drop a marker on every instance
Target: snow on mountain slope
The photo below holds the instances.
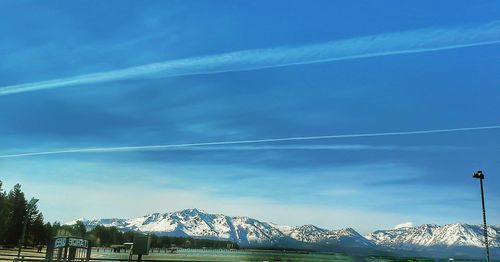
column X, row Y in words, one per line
column 307, row 233
column 452, row 235
column 195, row 223
column 242, row 230
column 313, row 234
column 249, row 232
column 349, row 237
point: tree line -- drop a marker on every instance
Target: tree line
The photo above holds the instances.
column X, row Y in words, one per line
column 102, row 236
column 12, row 215
column 13, row 212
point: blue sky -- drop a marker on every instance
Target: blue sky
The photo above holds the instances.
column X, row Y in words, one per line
column 225, row 75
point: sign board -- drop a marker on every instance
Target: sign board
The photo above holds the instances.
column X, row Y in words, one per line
column 141, row 244
column 65, row 248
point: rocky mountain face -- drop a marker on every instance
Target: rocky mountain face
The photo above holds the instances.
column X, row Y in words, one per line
column 434, row 235
column 313, row 234
column 460, row 240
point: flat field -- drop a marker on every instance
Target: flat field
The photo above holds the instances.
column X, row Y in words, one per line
column 234, row 255
column 222, row 255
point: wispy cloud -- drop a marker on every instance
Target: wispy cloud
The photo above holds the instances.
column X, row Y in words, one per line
column 403, row 225
column 424, row 40
column 252, row 141
column 320, row 147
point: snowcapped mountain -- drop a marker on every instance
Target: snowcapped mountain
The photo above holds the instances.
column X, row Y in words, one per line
column 457, row 240
column 452, row 235
column 453, row 240
column 307, row 233
column 242, row 230
column 313, row 234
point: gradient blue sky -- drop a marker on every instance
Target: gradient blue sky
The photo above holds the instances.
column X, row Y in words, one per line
column 365, row 183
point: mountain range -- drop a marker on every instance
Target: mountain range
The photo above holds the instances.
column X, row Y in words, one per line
column 452, row 240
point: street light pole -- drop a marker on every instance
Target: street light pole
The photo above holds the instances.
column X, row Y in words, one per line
column 479, row 175
column 30, row 205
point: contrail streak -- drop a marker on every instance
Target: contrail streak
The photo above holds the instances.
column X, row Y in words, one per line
column 417, row 41
column 252, row 141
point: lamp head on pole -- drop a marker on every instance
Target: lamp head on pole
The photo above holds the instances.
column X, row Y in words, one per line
column 478, row 174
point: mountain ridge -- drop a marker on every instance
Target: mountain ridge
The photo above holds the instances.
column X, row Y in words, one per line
column 450, row 239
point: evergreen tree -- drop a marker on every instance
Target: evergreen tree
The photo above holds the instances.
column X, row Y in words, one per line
column 47, row 233
column 17, row 213
column 37, row 230
column 4, row 214
column 34, row 227
column 79, row 229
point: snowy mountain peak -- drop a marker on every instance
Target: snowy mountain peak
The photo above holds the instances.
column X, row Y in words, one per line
column 348, row 231
column 307, row 233
column 191, row 212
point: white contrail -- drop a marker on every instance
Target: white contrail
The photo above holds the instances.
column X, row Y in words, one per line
column 417, row 41
column 252, row 141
